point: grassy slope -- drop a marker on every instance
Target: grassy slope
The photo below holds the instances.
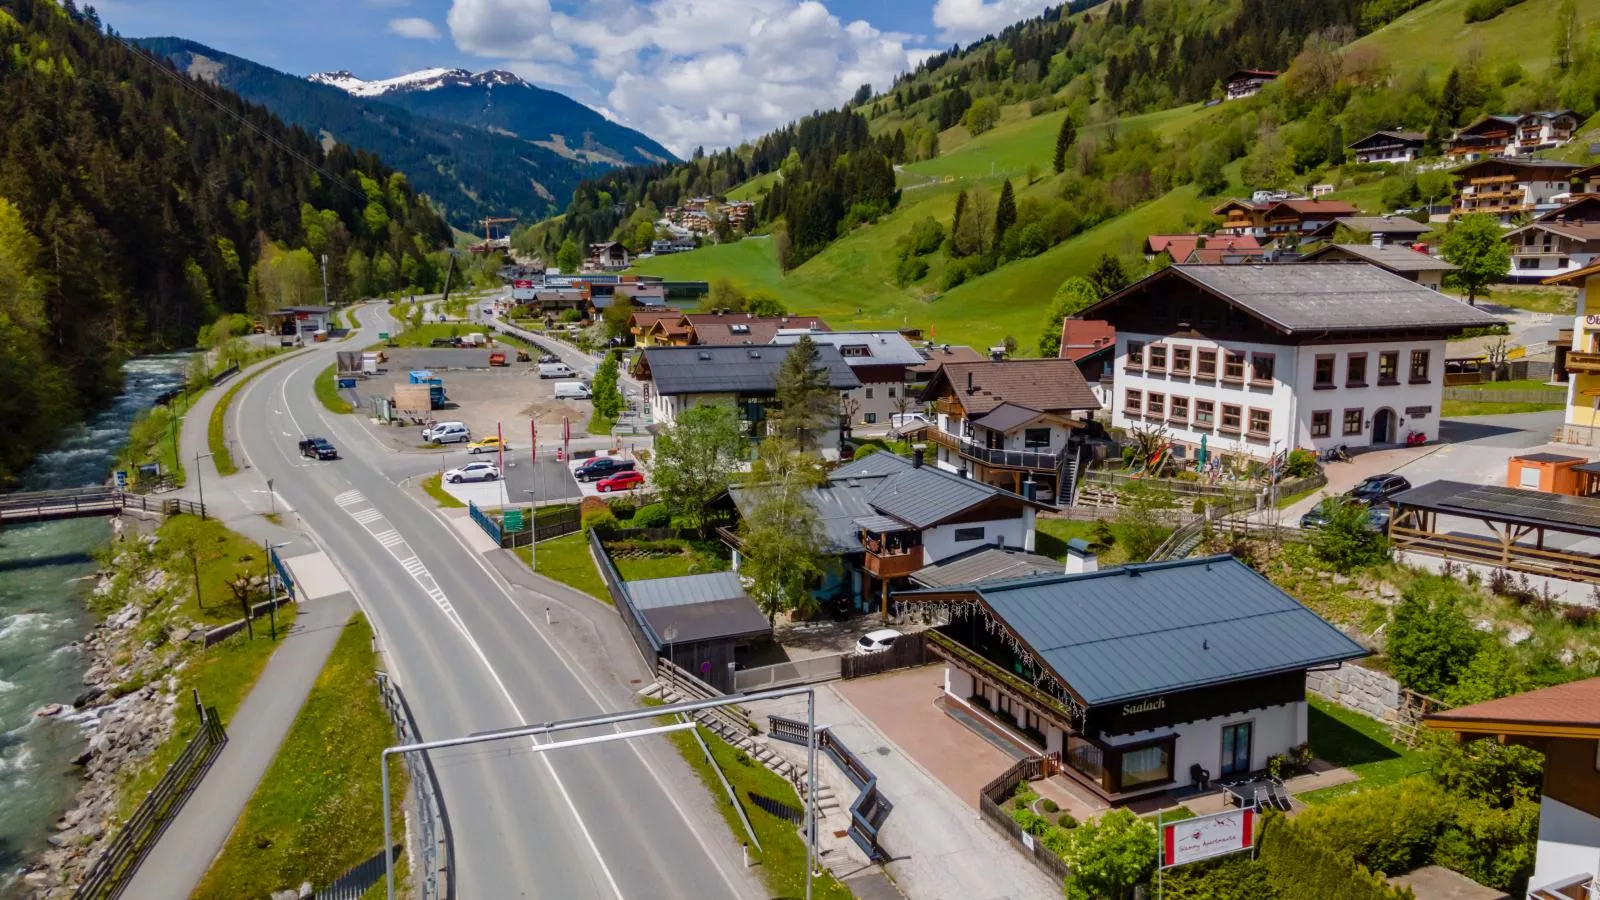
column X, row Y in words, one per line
column 1434, row 36
column 313, row 816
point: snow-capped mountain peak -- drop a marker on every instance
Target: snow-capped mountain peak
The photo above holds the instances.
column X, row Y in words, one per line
column 423, row 80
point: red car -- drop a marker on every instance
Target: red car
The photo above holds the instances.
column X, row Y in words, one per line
column 620, row 482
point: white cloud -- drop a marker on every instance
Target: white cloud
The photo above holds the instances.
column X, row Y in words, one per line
column 420, row 29
column 968, row 20
column 689, row 73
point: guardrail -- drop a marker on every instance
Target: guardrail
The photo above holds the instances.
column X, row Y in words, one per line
column 871, row 808
column 43, row 506
column 489, row 526
column 437, row 863
column 115, row 867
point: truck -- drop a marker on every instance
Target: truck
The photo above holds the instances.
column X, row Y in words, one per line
column 497, row 358
column 423, row 376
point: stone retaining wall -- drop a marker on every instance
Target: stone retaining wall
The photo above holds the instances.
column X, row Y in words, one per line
column 1363, row 690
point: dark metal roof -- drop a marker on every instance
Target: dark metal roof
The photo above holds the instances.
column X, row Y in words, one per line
column 1138, row 631
column 697, row 607
column 881, row 524
column 1315, row 297
column 729, row 369
column 1376, row 225
column 928, row 495
column 883, row 347
column 1518, row 506
column 986, row 564
column 1007, row 416
column 871, row 466
column 1593, row 468
column 839, row 503
column 1395, row 259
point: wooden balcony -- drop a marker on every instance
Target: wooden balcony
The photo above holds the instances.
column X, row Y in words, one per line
column 1587, row 363
column 887, row 564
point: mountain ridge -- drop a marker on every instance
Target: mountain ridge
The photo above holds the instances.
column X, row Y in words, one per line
column 420, row 80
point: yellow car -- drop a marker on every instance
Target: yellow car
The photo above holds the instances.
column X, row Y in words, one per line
column 487, row 445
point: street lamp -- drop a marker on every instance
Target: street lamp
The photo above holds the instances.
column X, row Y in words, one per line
column 533, row 527
column 200, row 480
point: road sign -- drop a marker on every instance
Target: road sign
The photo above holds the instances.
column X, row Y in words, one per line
column 512, row 520
column 383, row 335
column 121, row 476
column 1203, row 837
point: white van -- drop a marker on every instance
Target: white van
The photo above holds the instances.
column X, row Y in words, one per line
column 555, row 370
column 448, row 433
column 572, row 390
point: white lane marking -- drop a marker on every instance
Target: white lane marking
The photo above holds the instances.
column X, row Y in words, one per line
column 389, row 538
column 367, row 516
column 350, row 498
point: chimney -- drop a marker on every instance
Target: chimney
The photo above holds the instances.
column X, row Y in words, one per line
column 1080, row 559
column 916, row 455
column 1377, row 239
column 969, row 382
column 1030, row 490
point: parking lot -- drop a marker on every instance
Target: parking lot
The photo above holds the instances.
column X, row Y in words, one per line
column 478, row 396
column 548, row 480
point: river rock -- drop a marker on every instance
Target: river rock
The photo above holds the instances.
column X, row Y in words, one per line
column 306, row 891
column 48, row 711
column 89, row 696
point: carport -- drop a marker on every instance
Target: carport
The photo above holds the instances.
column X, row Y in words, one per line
column 1519, row 521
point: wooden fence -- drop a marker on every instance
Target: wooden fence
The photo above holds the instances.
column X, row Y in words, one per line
column 908, row 650
column 993, row 794
column 115, row 867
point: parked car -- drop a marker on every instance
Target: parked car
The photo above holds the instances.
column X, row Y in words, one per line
column 555, row 370
column 621, row 481
column 549, row 358
column 1378, row 488
column 427, row 433
column 315, row 447
column 908, row 421
column 1378, row 514
column 877, row 641
column 490, row 444
column 450, row 433
column 572, row 390
column 601, row 467
column 478, row 471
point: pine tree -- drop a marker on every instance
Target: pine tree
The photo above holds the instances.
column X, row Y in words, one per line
column 805, row 401
column 955, row 224
column 1065, row 138
column 1005, row 213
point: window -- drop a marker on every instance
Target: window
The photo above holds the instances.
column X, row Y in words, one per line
column 969, row 534
column 1179, row 409
column 1261, row 367
column 1206, row 364
column 1233, row 366
column 871, row 418
column 1352, row 421
column 1158, row 357
column 1036, row 438
column 1131, row 402
column 1355, row 370
column 1155, row 405
column 1135, row 355
column 1147, row 765
column 1389, row 367
column 869, row 393
column 1180, row 360
column 1204, row 416
column 1419, row 367
column 1260, row 422
column 1230, row 418
column 891, row 392
column 1324, row 372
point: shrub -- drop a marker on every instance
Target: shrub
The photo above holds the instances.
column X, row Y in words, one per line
column 1236, row 877
column 1049, row 805
column 1494, row 847
column 1393, row 828
column 1580, row 616
column 1346, row 543
column 623, row 507
column 1486, row 770
column 656, row 515
column 1110, row 856
column 603, row 519
column 1068, row 821
column 1299, row 865
column 1431, row 643
column 1302, row 463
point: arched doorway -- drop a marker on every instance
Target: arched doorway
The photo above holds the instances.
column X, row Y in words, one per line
column 1383, row 426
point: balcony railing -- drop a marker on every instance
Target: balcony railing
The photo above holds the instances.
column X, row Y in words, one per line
column 1005, row 459
column 887, row 564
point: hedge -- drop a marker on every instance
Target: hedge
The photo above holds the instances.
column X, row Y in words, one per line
column 1301, row 867
column 1393, row 828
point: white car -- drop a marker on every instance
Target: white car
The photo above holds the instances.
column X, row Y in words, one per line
column 877, row 641
column 478, row 471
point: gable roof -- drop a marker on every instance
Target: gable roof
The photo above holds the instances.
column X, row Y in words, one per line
column 1133, row 631
column 743, row 328
column 1578, row 208
column 1251, row 73
column 1565, row 710
column 1387, row 224
column 1578, row 231
column 1313, row 207
column 1221, row 255
column 1392, row 258
column 1409, row 137
column 646, row 319
column 721, row 370
column 933, row 358
column 1180, row 246
column 1049, row 385
column 1007, row 416
column 984, row 564
column 1081, row 338
column 1315, row 297
column 1486, row 123
column 884, row 348
column 1521, row 168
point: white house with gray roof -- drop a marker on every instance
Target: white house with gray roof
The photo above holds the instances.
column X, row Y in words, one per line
column 1258, row 360
column 879, row 359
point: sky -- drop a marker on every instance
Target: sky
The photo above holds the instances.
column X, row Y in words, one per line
column 688, row 73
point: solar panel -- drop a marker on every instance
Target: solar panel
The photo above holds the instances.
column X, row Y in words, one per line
column 1558, row 511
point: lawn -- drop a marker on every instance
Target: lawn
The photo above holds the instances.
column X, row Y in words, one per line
column 1534, row 298
column 708, row 558
column 315, row 813
column 327, row 389
column 433, row 487
column 223, row 674
column 1525, row 384
column 567, row 560
column 425, row 334
column 1359, row 743
column 1433, row 36
column 1054, row 534
column 222, row 554
column 1455, row 409
column 781, row 861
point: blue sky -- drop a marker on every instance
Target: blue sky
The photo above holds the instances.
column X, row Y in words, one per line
column 686, row 72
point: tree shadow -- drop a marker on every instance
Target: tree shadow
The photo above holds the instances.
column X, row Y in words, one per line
column 1344, row 745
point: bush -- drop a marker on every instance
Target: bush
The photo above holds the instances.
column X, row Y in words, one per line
column 1299, row 865
column 600, row 516
column 1049, row 805
column 1067, row 821
column 1393, row 828
column 1494, row 847
column 1302, row 463
column 1346, row 543
column 1236, row 877
column 656, row 515
column 1110, row 856
column 1431, row 643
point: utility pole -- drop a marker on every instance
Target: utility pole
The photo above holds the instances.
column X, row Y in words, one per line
column 324, row 279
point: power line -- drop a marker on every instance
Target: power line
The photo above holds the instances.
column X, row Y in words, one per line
column 187, row 84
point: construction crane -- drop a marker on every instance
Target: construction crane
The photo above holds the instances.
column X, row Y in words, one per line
column 488, row 223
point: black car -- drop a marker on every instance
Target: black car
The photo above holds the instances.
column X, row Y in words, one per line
column 549, row 358
column 1378, row 488
column 1378, row 514
column 601, row 467
column 317, row 448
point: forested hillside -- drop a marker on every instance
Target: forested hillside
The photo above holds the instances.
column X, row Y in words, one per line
column 136, row 206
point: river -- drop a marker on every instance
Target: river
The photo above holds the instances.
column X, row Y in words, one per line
column 46, row 573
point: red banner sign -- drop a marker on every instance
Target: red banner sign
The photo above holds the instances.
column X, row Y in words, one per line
column 1203, row 837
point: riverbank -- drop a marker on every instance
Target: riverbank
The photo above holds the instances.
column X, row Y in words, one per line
column 145, row 661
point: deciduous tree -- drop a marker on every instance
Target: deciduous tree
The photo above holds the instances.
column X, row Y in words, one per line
column 569, row 258
column 695, row 457
column 1108, row 857
column 1476, row 246
column 780, row 533
column 1073, row 296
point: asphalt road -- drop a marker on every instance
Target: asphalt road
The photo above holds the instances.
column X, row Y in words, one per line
column 473, row 654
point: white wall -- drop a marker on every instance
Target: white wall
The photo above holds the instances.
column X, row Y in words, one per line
column 1015, row 439
column 1569, row 844
column 1291, row 399
column 940, row 541
column 882, row 402
column 1274, row 730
